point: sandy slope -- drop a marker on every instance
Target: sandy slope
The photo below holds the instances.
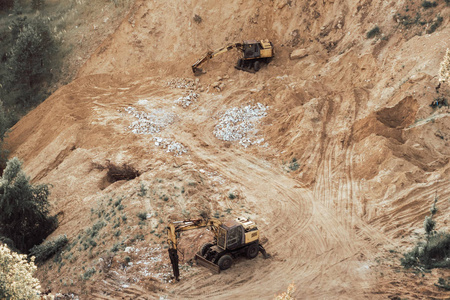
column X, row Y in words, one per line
column 354, row 113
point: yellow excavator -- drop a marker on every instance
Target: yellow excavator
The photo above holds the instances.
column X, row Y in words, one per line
column 231, row 239
column 254, row 54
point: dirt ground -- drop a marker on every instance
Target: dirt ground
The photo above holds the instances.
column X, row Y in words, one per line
column 336, row 156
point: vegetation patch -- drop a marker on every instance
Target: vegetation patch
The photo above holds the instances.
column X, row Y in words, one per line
column 294, row 165
column 443, row 283
column 16, row 276
column 434, row 252
column 435, row 24
column 429, row 4
column 373, row 32
column 197, row 19
column 24, row 208
column 142, row 215
column 47, row 249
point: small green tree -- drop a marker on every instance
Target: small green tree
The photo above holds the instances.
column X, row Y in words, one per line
column 37, row 4
column 435, row 251
column 29, row 61
column 16, row 276
column 6, row 4
column 4, row 125
column 24, row 208
column 429, row 223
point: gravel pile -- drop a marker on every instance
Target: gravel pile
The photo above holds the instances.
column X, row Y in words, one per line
column 182, row 83
column 150, row 264
column 187, row 100
column 149, row 123
column 170, row 146
column 154, row 122
column 239, row 124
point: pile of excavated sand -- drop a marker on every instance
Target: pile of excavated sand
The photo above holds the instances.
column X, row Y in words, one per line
column 240, row 124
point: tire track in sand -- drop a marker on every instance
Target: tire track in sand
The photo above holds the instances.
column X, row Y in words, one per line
column 310, row 246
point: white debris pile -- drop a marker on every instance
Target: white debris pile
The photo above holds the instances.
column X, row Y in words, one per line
column 170, row 146
column 149, row 123
column 187, row 100
column 149, row 264
column 182, row 83
column 215, row 177
column 239, row 124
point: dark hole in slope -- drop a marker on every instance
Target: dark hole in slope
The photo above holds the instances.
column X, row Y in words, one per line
column 399, row 116
column 120, row 172
column 116, row 173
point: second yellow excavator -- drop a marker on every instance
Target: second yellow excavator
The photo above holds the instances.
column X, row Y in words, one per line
column 254, row 54
column 231, row 239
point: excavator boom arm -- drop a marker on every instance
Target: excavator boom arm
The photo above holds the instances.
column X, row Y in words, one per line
column 210, row 54
column 172, row 236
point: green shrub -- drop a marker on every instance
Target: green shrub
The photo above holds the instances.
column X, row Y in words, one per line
column 24, row 208
column 47, row 249
column 95, row 228
column 373, row 32
column 231, row 196
column 116, row 247
column 443, row 284
column 142, row 191
column 429, row 4
column 293, row 165
column 435, row 25
column 142, row 216
column 139, row 237
column 4, row 125
column 197, row 19
column 434, row 252
column 88, row 274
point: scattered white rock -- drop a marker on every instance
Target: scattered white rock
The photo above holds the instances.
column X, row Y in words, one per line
column 239, row 124
column 187, row 100
column 170, row 146
column 182, row 83
column 149, row 123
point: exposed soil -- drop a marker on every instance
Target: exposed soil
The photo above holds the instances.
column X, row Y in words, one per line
column 370, row 152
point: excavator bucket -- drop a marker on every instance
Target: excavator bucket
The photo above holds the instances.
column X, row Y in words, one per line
column 198, row 71
column 207, row 264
